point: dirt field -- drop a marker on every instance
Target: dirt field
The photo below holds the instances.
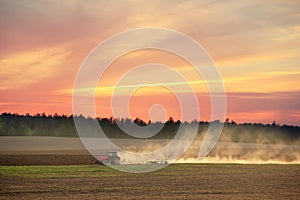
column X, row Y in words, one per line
column 60, row 168
column 180, row 181
column 19, row 151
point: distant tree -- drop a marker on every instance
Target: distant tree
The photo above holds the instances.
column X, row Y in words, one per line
column 63, row 125
column 139, row 122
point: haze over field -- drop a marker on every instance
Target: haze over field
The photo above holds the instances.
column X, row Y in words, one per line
column 224, row 152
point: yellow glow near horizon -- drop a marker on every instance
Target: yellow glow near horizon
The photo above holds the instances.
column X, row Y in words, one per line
column 236, row 84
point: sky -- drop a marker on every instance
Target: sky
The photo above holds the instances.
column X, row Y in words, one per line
column 255, row 46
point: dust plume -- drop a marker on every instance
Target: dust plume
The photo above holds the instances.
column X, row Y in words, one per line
column 249, row 147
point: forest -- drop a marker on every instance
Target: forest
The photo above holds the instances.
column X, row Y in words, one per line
column 63, row 126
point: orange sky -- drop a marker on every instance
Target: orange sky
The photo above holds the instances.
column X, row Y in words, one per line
column 255, row 45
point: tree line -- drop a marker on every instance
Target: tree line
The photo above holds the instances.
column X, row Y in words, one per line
column 63, row 126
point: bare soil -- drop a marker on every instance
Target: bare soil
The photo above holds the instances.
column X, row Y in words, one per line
column 27, row 160
column 178, row 181
column 181, row 181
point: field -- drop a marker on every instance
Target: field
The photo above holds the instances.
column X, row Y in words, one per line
column 179, row 181
column 49, row 169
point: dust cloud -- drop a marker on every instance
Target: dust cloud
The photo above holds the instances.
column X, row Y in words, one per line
column 232, row 147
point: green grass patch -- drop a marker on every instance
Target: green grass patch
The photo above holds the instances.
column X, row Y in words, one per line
column 57, row 171
column 80, row 171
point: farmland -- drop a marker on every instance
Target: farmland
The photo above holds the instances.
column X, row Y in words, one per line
column 193, row 181
column 60, row 168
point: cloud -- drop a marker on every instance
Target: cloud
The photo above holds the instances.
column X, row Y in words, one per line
column 27, row 68
column 31, row 24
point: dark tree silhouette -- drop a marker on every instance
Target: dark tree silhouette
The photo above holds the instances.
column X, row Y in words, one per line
column 63, row 125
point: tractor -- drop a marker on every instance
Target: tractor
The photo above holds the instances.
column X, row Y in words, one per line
column 111, row 158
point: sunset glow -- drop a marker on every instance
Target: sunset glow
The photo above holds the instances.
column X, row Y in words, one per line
column 255, row 45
